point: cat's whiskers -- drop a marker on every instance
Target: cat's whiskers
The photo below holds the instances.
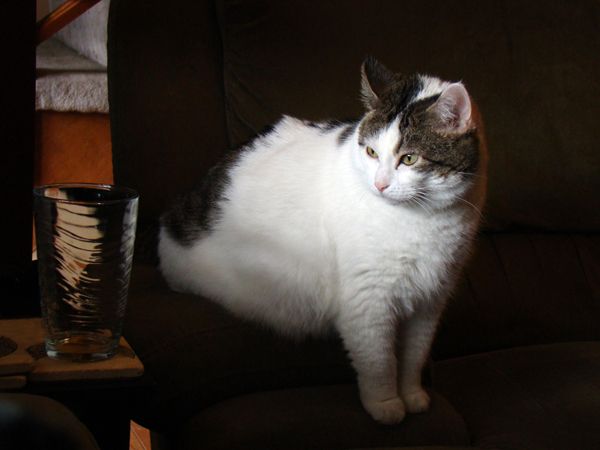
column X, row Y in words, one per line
column 468, row 174
column 468, row 203
column 421, row 205
column 421, row 199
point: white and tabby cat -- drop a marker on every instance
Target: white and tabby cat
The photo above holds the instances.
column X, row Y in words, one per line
column 361, row 226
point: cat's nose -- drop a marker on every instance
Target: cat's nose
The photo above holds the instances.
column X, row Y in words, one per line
column 382, row 185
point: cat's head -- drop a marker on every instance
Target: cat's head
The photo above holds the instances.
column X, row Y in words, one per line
column 417, row 141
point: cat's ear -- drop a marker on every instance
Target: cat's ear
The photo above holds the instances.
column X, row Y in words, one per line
column 453, row 109
column 375, row 78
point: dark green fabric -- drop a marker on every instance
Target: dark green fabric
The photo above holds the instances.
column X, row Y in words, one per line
column 328, row 417
column 535, row 398
column 166, row 102
column 523, row 289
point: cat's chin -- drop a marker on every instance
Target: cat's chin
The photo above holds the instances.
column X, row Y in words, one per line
column 404, row 202
column 407, row 201
column 434, row 201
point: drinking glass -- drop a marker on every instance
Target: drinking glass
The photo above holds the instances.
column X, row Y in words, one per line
column 85, row 235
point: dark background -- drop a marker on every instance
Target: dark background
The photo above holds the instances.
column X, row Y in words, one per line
column 17, row 127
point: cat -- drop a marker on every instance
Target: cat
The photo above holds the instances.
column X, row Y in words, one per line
column 362, row 226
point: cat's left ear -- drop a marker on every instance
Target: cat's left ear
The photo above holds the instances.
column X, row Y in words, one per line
column 453, row 109
column 375, row 79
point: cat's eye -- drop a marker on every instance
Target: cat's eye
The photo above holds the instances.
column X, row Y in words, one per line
column 372, row 153
column 409, row 159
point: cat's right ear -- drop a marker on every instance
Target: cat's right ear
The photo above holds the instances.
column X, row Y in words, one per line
column 375, row 78
column 453, row 110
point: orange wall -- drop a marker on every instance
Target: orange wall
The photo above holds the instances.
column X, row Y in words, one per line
column 72, row 147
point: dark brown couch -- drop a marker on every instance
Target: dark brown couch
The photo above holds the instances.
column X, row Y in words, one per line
column 516, row 363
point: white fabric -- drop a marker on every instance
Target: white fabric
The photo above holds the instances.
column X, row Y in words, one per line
column 87, row 34
column 68, row 81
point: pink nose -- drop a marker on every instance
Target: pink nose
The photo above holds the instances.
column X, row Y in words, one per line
column 381, row 185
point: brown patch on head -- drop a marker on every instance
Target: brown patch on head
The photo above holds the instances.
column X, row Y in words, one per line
column 443, row 154
column 440, row 128
column 392, row 102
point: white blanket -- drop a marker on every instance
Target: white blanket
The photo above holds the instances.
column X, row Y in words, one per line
column 68, row 81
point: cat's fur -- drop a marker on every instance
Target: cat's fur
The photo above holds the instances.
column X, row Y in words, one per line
column 304, row 231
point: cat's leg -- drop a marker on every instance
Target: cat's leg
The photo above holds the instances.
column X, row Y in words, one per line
column 415, row 336
column 370, row 338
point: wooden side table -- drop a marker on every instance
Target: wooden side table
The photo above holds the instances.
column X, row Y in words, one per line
column 99, row 393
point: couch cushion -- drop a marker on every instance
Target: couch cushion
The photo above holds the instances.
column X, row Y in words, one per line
column 534, row 398
column 329, row 417
column 523, row 289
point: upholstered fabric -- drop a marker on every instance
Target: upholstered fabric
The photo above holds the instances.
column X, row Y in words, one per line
column 166, row 97
column 535, row 398
column 523, row 289
column 331, row 418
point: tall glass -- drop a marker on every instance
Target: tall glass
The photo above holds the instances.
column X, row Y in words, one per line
column 85, row 235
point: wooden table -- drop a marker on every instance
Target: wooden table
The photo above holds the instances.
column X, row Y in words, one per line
column 99, row 393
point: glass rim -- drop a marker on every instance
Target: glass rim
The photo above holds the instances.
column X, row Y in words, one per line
column 128, row 194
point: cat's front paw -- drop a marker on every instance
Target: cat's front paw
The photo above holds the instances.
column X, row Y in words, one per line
column 416, row 401
column 387, row 412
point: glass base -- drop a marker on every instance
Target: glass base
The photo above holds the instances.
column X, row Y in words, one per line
column 81, row 347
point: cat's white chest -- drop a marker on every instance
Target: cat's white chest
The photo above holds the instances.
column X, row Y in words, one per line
column 407, row 258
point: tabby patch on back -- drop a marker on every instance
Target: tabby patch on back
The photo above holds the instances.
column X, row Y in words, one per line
column 361, row 227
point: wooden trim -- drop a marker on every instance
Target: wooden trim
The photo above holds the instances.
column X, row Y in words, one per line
column 60, row 17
